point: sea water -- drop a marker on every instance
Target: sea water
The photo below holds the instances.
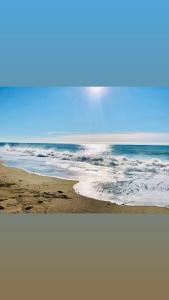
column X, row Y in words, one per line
column 122, row 174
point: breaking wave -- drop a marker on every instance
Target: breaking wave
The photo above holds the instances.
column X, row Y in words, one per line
column 130, row 175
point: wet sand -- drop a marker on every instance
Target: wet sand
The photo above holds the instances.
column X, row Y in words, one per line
column 22, row 192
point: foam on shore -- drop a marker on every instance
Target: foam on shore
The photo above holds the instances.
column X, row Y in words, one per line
column 101, row 173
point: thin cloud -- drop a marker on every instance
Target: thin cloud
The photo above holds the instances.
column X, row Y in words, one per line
column 119, row 138
column 148, row 138
column 55, row 132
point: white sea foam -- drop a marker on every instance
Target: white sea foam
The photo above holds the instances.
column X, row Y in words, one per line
column 100, row 174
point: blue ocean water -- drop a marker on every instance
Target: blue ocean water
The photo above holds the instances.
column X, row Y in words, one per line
column 157, row 151
column 123, row 174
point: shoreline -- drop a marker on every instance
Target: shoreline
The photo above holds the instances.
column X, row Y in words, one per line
column 24, row 192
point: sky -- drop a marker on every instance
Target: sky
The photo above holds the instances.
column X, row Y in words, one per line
column 85, row 114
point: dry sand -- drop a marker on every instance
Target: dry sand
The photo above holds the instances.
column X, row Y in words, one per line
column 22, row 192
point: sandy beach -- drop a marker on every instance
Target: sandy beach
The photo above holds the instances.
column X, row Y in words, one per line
column 22, row 192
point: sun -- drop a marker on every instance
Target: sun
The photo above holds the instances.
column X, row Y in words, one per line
column 96, row 92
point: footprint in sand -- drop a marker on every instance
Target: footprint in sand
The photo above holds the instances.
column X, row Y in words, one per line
column 28, row 208
column 60, row 192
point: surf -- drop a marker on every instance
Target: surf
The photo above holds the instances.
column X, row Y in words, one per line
column 122, row 174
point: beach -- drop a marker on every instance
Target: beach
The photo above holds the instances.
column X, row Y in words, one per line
column 23, row 192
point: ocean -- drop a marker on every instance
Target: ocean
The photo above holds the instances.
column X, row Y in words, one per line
column 122, row 174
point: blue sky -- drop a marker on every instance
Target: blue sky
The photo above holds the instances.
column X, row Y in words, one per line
column 44, row 114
